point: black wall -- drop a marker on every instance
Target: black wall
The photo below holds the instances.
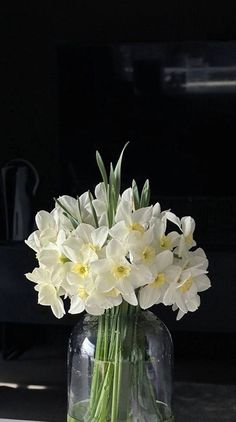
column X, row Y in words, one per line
column 39, row 67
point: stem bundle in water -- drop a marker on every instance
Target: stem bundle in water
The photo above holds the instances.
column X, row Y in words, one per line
column 121, row 387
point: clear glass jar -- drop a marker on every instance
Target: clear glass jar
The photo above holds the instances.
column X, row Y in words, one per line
column 120, row 368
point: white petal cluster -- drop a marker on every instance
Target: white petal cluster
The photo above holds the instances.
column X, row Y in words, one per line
column 138, row 259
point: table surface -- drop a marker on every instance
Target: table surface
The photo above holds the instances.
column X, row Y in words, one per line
column 194, row 402
column 17, row 420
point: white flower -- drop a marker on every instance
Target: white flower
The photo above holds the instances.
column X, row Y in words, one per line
column 186, row 240
column 93, row 239
column 162, row 240
column 183, row 293
column 79, row 210
column 81, row 258
column 52, row 254
column 170, row 216
column 163, row 274
column 141, row 248
column 130, row 223
column 79, row 293
column 100, row 204
column 190, row 259
column 115, row 271
column 48, row 285
column 164, row 216
column 127, row 197
column 46, row 233
column 102, row 301
column 156, row 213
column 87, row 297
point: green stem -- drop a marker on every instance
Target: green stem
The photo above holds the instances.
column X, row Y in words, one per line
column 116, row 378
column 106, row 334
column 102, row 402
column 96, row 369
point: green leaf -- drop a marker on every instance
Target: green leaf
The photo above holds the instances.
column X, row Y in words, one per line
column 93, row 209
column 113, row 187
column 135, row 194
column 145, row 195
column 117, row 170
column 112, row 183
column 102, row 168
column 79, row 208
column 112, row 178
column 112, row 195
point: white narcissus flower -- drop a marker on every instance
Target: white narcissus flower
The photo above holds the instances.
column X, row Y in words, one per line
column 156, row 212
column 79, row 270
column 46, row 233
column 93, row 239
column 87, row 297
column 190, row 259
column 80, row 212
column 79, row 293
column 170, row 216
column 164, row 216
column 116, row 272
column 183, row 293
column 85, row 206
column 141, row 248
column 130, row 223
column 163, row 274
column 127, row 196
column 48, row 285
column 45, row 221
column 100, row 204
column 162, row 240
column 186, row 240
column 52, row 254
column 98, row 302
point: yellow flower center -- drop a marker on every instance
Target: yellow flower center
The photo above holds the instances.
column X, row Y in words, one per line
column 189, row 239
column 113, row 293
column 94, row 248
column 137, row 227
column 81, row 269
column 120, row 271
column 159, row 280
column 186, row 286
column 165, row 242
column 148, row 253
column 63, row 259
column 82, row 293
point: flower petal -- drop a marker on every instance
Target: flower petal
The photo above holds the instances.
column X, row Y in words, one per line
column 148, row 296
column 45, row 220
column 119, row 231
column 202, row 282
column 115, row 250
column 105, row 282
column 76, row 305
column 58, row 308
column 163, row 260
column 72, row 249
column 99, row 236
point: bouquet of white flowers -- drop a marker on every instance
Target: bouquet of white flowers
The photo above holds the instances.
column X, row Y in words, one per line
column 109, row 252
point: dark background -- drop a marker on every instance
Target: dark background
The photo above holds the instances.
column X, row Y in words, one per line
column 64, row 95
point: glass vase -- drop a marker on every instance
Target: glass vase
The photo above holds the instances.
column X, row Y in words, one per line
column 120, row 368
